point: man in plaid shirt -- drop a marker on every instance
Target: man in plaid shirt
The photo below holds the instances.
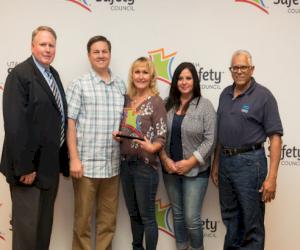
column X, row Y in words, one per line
column 95, row 102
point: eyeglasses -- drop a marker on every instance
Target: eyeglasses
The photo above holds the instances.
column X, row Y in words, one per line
column 242, row 68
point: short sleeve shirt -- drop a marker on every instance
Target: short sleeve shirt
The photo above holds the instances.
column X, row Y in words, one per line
column 249, row 118
column 97, row 106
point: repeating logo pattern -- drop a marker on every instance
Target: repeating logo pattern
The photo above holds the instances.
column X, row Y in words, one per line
column 162, row 64
column 290, row 156
column 257, row 3
column 165, row 221
column 82, row 3
column 163, row 217
column 10, row 66
column 114, row 5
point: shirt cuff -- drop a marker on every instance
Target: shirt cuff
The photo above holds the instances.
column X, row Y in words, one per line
column 199, row 157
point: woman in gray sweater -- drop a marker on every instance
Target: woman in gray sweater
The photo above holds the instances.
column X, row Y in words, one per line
column 186, row 158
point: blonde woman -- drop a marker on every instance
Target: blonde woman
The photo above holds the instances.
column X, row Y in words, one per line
column 144, row 117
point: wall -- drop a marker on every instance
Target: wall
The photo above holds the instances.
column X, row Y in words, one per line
column 171, row 31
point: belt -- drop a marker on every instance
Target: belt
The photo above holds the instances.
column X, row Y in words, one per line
column 234, row 151
column 125, row 157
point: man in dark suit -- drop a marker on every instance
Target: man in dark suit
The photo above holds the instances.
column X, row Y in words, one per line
column 34, row 149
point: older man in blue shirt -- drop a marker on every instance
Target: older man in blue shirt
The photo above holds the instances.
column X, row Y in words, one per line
column 247, row 115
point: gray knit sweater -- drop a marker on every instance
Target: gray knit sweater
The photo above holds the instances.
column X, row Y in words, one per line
column 198, row 133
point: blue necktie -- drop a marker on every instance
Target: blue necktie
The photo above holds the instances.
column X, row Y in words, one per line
column 56, row 94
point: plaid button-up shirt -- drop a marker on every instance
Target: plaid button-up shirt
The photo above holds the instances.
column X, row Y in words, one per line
column 97, row 106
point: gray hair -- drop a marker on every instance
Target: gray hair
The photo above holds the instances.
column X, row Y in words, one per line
column 42, row 28
column 243, row 52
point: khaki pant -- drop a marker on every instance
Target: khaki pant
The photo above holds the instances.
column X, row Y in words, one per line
column 103, row 193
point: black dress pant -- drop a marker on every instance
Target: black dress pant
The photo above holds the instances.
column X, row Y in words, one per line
column 32, row 216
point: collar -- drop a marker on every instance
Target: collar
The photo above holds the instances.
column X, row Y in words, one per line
column 39, row 65
column 195, row 100
column 98, row 78
column 248, row 90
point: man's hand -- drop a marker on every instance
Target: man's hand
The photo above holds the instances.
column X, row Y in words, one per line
column 76, row 168
column 268, row 190
column 214, row 174
column 215, row 165
column 28, row 179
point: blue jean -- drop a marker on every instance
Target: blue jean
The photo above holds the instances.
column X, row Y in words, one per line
column 240, row 178
column 186, row 195
column 139, row 182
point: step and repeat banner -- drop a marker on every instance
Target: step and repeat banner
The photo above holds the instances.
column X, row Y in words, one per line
column 205, row 33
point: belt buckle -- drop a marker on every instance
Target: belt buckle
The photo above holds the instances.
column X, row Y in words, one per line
column 227, row 151
column 230, row 151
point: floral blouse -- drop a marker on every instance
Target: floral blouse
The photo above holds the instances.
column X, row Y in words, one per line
column 149, row 119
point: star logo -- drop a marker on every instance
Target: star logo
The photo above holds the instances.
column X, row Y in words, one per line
column 162, row 64
column 164, row 218
column 257, row 3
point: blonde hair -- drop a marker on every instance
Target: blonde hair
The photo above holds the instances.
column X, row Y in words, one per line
column 131, row 89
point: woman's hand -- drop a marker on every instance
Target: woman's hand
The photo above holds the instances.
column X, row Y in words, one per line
column 116, row 138
column 186, row 165
column 146, row 145
column 182, row 167
column 169, row 165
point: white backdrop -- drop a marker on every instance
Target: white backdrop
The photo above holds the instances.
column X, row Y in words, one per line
column 171, row 31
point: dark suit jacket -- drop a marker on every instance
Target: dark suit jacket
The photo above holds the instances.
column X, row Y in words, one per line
column 32, row 124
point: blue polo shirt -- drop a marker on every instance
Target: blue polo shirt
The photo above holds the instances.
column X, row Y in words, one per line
column 249, row 118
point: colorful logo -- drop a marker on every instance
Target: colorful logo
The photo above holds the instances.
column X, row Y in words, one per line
column 131, row 124
column 257, row 3
column 165, row 221
column 162, row 64
column 115, row 5
column 245, row 108
column 81, row 3
column 164, row 218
